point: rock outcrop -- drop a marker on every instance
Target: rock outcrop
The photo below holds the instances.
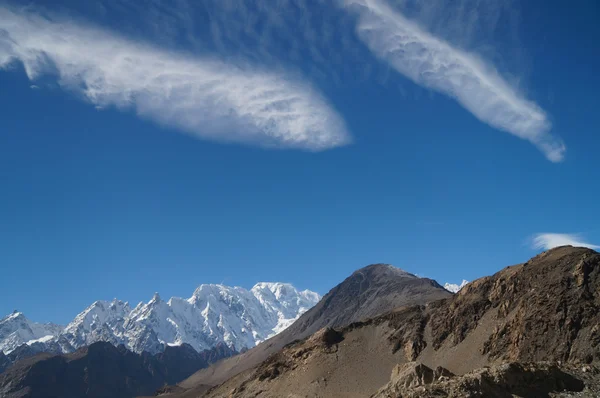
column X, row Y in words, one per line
column 415, row 380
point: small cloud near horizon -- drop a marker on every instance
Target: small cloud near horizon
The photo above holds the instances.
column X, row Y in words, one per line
column 549, row 241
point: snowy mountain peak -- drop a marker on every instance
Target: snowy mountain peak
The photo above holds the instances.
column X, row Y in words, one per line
column 279, row 290
column 212, row 289
column 454, row 287
column 16, row 330
column 214, row 314
column 12, row 316
column 310, row 295
column 118, row 303
column 273, row 286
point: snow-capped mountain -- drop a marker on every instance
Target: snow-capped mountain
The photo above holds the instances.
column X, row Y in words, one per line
column 454, row 287
column 16, row 330
column 282, row 300
column 235, row 316
column 101, row 321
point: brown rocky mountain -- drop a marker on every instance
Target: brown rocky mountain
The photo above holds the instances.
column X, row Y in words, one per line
column 103, row 370
column 368, row 292
column 535, row 324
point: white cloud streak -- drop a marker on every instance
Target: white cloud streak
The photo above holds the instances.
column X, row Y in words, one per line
column 201, row 96
column 435, row 64
column 548, row 241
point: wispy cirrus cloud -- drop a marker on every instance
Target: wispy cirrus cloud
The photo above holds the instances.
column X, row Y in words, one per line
column 200, row 96
column 434, row 63
column 548, row 241
column 311, row 35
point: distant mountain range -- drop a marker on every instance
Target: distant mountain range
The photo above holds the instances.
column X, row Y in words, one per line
column 530, row 330
column 214, row 314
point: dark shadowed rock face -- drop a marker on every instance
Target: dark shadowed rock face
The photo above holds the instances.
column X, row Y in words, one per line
column 179, row 362
column 218, row 352
column 103, row 370
column 4, row 362
column 27, row 351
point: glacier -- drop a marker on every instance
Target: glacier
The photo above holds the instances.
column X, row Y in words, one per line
column 214, row 314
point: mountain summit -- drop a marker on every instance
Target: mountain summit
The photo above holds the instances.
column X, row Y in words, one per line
column 368, row 292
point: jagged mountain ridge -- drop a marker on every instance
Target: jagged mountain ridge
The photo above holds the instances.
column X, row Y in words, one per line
column 214, row 314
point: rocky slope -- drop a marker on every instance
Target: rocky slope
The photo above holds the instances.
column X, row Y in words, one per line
column 214, row 314
column 103, row 370
column 366, row 293
column 545, row 310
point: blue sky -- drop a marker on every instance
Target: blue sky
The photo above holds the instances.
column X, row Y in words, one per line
column 156, row 148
